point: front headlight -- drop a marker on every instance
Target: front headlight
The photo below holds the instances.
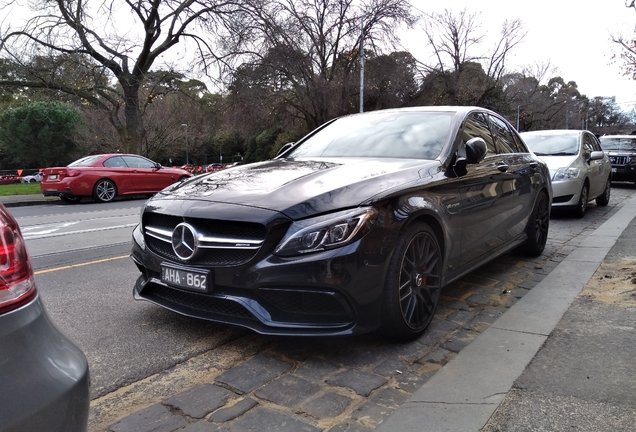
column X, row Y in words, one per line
column 327, row 231
column 566, row 174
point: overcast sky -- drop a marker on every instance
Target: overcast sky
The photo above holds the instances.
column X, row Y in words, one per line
column 573, row 35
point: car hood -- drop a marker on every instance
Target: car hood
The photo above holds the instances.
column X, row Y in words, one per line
column 556, row 162
column 299, row 188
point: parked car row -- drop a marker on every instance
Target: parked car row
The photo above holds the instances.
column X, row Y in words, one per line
column 14, row 178
column 9, row 179
column 413, row 198
column 200, row 169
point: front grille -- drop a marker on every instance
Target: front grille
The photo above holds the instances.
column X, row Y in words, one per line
column 225, row 243
column 619, row 160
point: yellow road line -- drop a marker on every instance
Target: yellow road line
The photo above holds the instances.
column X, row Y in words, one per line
column 80, row 265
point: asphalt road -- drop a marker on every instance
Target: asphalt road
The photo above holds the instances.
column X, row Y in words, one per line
column 140, row 354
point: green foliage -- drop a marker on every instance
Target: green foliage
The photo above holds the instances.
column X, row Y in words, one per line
column 260, row 146
column 39, row 134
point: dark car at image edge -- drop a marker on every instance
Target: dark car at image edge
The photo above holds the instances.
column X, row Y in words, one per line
column 44, row 377
column 356, row 227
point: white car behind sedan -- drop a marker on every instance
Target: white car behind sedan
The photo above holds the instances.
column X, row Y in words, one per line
column 579, row 169
column 37, row 177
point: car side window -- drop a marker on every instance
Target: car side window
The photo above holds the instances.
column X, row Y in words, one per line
column 594, row 143
column 115, row 162
column 588, row 144
column 476, row 125
column 138, row 162
column 504, row 138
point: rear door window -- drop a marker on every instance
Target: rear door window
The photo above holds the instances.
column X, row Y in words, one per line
column 504, row 138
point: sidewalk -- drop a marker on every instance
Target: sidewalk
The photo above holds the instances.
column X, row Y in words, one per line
column 555, row 361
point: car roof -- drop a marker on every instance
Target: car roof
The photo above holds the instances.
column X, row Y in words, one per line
column 429, row 108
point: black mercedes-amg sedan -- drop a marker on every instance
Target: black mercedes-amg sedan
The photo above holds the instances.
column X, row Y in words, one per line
column 356, row 227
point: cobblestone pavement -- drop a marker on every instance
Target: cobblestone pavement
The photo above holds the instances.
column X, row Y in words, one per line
column 335, row 384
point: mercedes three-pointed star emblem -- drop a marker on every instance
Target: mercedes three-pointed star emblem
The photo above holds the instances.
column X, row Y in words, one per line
column 184, row 241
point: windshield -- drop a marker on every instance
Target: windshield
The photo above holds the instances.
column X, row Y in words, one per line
column 552, row 145
column 418, row 135
column 625, row 143
column 85, row 161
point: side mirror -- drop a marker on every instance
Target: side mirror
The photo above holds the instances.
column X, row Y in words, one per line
column 284, row 148
column 596, row 155
column 472, row 152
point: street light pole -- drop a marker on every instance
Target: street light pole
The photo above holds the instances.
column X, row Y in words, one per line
column 186, row 133
column 361, row 64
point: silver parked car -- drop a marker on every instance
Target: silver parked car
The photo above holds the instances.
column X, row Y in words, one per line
column 44, row 377
column 579, row 168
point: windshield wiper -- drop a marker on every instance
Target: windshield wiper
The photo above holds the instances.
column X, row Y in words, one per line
column 561, row 154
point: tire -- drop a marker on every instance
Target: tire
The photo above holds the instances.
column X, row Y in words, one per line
column 70, row 200
column 604, row 199
column 537, row 228
column 104, row 191
column 581, row 207
column 413, row 283
column 31, row 181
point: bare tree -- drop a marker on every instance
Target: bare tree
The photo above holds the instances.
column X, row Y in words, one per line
column 456, row 41
column 307, row 51
column 110, row 47
column 627, row 47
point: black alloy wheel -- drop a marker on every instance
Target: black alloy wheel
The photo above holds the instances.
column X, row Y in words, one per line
column 413, row 283
column 104, row 191
column 581, row 207
column 537, row 228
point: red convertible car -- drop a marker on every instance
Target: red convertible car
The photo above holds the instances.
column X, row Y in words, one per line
column 107, row 176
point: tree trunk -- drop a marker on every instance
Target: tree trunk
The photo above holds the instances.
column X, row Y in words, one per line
column 133, row 132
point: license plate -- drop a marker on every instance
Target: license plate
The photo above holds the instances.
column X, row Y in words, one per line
column 613, row 169
column 52, row 176
column 196, row 280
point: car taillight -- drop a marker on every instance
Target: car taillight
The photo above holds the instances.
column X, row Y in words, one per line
column 72, row 173
column 17, row 285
